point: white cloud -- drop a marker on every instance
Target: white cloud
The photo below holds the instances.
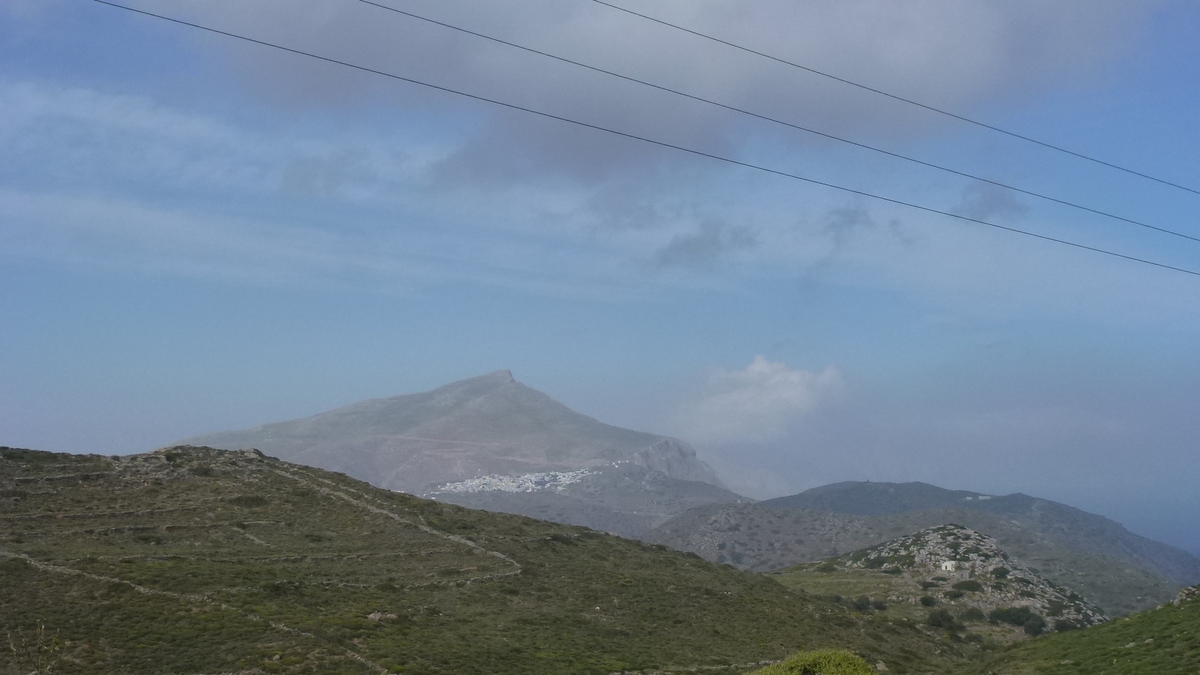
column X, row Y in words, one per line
column 760, row 403
column 945, row 52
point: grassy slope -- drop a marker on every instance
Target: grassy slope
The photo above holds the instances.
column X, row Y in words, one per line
column 760, row 538
column 1164, row 641
column 201, row 561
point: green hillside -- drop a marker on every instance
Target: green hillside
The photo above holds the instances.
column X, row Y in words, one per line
column 760, row 538
column 1163, row 641
column 194, row 560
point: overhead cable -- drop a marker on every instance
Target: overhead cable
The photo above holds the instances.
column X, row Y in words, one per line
column 664, row 144
column 897, row 97
column 791, row 125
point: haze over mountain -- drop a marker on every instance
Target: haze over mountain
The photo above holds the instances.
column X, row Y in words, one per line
column 1065, row 525
column 491, row 442
column 1110, row 566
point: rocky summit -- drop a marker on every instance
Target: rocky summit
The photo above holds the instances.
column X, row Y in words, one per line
column 491, row 442
column 975, row 566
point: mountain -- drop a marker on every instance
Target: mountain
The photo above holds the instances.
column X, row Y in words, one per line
column 1109, row 566
column 950, row 575
column 491, row 442
column 195, row 560
column 1062, row 524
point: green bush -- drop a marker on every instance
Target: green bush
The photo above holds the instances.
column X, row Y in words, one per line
column 968, row 585
column 941, row 618
column 1024, row 617
column 820, row 662
column 1000, row 572
column 1036, row 625
column 928, row 600
column 973, row 614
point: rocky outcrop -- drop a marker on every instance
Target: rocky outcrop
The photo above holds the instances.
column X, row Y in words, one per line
column 976, row 567
column 1187, row 595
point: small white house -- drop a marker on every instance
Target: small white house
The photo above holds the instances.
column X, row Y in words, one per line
column 950, row 566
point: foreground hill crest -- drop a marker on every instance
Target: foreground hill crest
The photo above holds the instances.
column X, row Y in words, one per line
column 195, row 560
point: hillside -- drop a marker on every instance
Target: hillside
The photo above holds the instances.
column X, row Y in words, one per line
column 909, row 577
column 760, row 537
column 501, row 439
column 194, row 560
column 1161, row 641
column 1062, row 524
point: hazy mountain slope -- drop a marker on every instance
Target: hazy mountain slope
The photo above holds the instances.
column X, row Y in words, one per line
column 1062, row 524
column 626, row 499
column 193, row 560
column 496, row 428
column 760, row 537
column 1162, row 641
column 486, row 425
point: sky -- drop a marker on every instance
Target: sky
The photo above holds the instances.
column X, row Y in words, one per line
column 199, row 233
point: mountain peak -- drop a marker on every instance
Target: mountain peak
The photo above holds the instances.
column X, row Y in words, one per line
column 497, row 377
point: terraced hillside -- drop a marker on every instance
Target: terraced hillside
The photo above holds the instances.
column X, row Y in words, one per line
column 194, row 560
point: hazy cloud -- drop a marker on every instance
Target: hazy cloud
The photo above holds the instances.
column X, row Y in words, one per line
column 758, row 404
column 703, row 248
column 948, row 53
column 984, row 201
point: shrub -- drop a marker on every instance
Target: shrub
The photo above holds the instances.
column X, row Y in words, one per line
column 879, row 605
column 1001, row 572
column 968, row 585
column 862, row 603
column 954, row 595
column 941, row 618
column 1036, row 625
column 827, row 567
column 1024, row 617
column 973, row 614
column 1064, row 625
column 928, row 600
column 820, row 662
column 929, row 584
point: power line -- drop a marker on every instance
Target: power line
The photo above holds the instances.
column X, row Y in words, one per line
column 623, row 134
column 897, row 97
column 791, row 125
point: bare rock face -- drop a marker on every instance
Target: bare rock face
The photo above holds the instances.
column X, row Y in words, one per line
column 498, row 433
column 1187, row 595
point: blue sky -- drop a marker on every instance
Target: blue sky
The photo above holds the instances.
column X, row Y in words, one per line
column 197, row 234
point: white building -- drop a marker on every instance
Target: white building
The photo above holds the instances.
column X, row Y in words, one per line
column 950, row 566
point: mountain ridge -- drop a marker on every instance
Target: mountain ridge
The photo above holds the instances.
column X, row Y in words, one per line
column 485, row 425
column 1065, row 524
column 497, row 432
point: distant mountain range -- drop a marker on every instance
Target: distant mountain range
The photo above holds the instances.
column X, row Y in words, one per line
column 1112, row 567
column 491, row 442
